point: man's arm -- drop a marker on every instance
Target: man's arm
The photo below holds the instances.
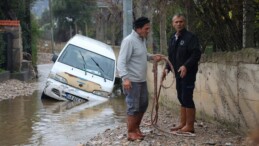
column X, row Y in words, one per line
column 123, row 58
column 195, row 56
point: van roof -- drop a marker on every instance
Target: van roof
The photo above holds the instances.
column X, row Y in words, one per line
column 92, row 45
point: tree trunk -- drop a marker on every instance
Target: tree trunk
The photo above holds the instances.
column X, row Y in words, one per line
column 189, row 5
column 28, row 27
column 76, row 28
column 150, row 16
column 138, row 9
column 86, row 29
column 99, row 27
column 162, row 24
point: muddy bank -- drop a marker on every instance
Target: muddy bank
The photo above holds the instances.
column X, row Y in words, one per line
column 13, row 88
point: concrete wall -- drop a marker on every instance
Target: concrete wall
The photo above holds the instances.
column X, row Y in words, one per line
column 227, row 88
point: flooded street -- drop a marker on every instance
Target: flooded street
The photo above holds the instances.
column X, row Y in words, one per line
column 35, row 121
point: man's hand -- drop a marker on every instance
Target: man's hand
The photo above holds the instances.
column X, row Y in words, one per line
column 127, row 84
column 183, row 71
column 157, row 57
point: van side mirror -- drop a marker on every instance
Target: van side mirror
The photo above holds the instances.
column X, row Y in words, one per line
column 118, row 85
column 54, row 58
column 118, row 81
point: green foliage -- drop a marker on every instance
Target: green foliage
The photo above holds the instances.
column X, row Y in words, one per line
column 219, row 24
column 256, row 22
column 8, row 9
column 1, row 70
column 77, row 10
column 45, row 18
column 35, row 33
column 172, row 9
column 71, row 13
column 208, row 50
column 20, row 10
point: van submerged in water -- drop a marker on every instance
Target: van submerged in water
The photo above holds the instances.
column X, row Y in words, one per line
column 84, row 70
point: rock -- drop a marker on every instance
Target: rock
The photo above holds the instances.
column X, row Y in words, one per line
column 228, row 144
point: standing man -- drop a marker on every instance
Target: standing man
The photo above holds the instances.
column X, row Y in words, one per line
column 132, row 68
column 184, row 54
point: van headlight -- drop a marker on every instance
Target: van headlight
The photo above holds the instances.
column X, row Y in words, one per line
column 101, row 93
column 57, row 78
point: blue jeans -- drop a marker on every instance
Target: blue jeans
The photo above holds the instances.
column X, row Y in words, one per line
column 137, row 98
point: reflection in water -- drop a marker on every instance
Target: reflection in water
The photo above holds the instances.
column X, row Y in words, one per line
column 16, row 119
column 35, row 121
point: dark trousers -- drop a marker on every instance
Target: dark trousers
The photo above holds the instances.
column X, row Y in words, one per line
column 185, row 93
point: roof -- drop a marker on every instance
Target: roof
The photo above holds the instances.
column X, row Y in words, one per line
column 92, row 45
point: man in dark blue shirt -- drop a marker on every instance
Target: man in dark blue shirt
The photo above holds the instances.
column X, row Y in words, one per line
column 184, row 54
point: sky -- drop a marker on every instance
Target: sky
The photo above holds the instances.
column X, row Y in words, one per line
column 39, row 7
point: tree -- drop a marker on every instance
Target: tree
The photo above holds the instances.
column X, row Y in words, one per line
column 248, row 24
column 45, row 18
column 219, row 25
column 162, row 22
column 114, row 21
column 76, row 14
column 19, row 10
column 163, row 7
column 222, row 25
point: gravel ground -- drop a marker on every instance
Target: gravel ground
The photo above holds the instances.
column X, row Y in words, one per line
column 13, row 88
column 205, row 134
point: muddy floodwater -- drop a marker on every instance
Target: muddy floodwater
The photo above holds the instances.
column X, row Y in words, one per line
column 35, row 121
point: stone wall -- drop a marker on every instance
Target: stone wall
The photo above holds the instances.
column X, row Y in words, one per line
column 16, row 47
column 227, row 88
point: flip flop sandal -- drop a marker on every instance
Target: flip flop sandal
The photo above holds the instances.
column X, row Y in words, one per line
column 180, row 133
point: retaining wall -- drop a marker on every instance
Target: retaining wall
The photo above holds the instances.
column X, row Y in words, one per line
column 226, row 89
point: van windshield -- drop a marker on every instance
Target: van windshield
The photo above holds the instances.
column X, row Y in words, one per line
column 87, row 61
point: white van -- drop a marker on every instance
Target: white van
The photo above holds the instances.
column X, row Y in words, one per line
column 84, row 70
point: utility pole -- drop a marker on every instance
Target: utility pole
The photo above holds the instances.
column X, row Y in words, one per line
column 127, row 17
column 51, row 26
